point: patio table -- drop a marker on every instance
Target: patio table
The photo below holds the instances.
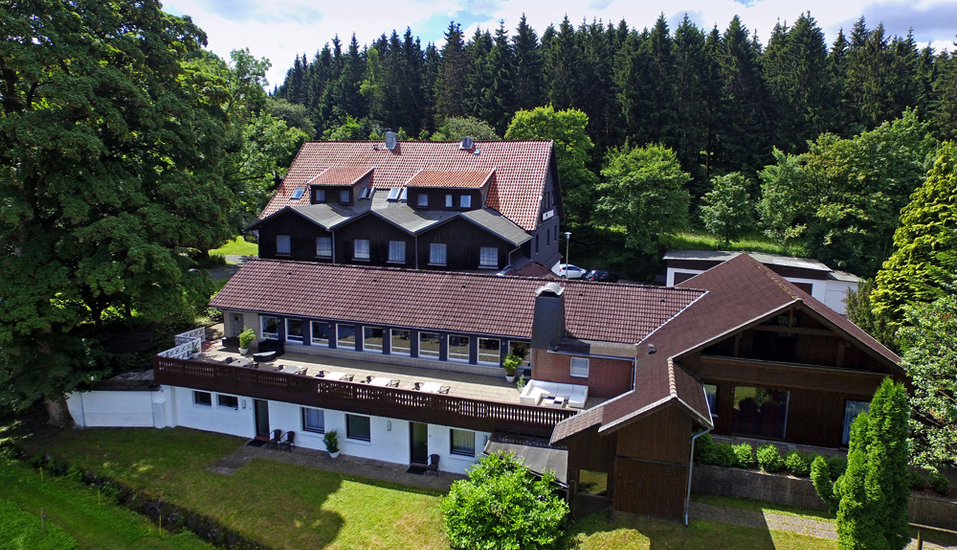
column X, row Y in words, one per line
column 432, row 387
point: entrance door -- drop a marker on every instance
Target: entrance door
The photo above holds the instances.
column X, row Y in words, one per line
column 262, row 417
column 235, row 324
column 419, row 443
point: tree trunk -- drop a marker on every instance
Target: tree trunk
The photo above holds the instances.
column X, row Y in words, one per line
column 59, row 412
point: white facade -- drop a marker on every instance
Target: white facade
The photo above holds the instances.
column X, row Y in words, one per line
column 389, row 438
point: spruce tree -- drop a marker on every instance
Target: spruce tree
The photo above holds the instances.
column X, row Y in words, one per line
column 529, row 67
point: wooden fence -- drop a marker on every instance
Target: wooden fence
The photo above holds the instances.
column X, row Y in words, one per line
column 354, row 397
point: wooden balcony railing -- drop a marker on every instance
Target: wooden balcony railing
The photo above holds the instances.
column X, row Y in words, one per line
column 411, row 405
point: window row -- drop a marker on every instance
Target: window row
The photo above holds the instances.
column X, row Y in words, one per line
column 361, row 251
column 465, row 201
column 205, row 399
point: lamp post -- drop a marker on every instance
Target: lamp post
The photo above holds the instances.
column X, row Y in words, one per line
column 568, row 237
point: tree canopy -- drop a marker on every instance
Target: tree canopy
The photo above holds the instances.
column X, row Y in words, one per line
column 727, row 210
column 112, row 156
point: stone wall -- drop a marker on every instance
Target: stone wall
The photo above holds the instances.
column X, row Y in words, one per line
column 794, row 491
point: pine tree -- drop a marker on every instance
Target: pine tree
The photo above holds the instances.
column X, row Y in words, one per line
column 529, row 67
column 450, row 84
column 563, row 67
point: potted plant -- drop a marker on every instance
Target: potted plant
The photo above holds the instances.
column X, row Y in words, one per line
column 331, row 439
column 246, row 338
column 510, row 365
column 196, row 349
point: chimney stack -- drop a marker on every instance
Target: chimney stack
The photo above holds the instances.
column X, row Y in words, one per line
column 548, row 326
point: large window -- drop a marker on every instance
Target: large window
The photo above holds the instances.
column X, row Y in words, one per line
column 324, row 247
column 270, row 327
column 489, row 352
column 851, row 410
column 294, row 329
column 346, row 336
column 423, row 200
column 372, row 339
column 711, row 394
column 282, row 244
column 320, row 195
column 465, row 201
column 227, row 401
column 401, row 343
column 203, row 398
column 397, row 252
column 463, row 442
column 437, row 255
column 313, row 420
column 360, row 249
column 429, row 345
column 358, row 427
column 345, row 197
column 488, row 257
column 459, row 348
column 759, row 412
column 579, row 367
column 321, row 333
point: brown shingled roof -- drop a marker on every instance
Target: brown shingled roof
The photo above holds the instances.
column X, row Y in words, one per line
column 444, row 301
column 459, row 179
column 520, row 169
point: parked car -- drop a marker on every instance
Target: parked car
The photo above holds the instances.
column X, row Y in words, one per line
column 572, row 271
column 601, row 275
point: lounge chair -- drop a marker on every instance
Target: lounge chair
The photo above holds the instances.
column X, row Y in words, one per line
column 289, row 441
column 276, row 437
column 417, row 386
column 445, row 389
column 433, row 465
column 393, row 383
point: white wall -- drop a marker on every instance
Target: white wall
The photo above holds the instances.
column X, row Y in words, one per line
column 226, row 420
column 103, row 409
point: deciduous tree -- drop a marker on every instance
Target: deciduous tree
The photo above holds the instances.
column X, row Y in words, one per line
column 727, row 210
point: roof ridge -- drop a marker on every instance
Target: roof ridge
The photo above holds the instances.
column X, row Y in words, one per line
column 778, row 281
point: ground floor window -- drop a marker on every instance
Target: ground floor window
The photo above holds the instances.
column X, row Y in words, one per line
column 429, row 345
column 463, row 442
column 851, row 410
column 488, row 257
column 760, row 412
column 228, row 401
column 358, row 427
column 203, row 398
column 489, row 352
column 346, row 336
column 459, row 348
column 294, row 330
column 313, row 420
column 372, row 339
column 321, row 333
column 270, row 326
column 401, row 342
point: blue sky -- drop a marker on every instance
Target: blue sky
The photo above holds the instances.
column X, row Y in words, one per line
column 281, row 29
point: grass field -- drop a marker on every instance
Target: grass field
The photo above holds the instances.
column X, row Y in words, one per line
column 751, row 243
column 238, row 246
column 288, row 506
column 93, row 523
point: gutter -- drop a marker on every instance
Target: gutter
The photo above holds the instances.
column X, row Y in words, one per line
column 690, row 466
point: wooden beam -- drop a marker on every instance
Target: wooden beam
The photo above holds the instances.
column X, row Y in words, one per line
column 796, row 330
column 789, row 375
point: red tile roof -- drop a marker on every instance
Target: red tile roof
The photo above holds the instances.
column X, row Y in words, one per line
column 520, row 169
column 340, row 176
column 444, row 301
column 460, row 179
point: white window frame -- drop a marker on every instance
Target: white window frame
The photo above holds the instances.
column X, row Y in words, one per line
column 373, row 348
column 361, row 249
column 395, row 247
column 339, row 340
column 488, row 257
column 578, row 367
column 436, row 250
column 463, row 436
column 313, row 332
column 406, row 351
column 262, row 324
column 283, row 244
column 219, row 401
column 350, row 436
column 455, row 356
column 302, row 331
column 498, row 352
column 324, row 247
column 429, row 355
column 465, row 201
column 322, row 420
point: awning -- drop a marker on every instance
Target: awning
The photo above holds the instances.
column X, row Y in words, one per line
column 535, row 452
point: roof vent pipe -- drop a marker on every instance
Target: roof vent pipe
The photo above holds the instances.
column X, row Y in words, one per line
column 467, row 143
column 391, row 140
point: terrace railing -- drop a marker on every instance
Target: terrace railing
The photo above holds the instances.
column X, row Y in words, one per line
column 354, row 397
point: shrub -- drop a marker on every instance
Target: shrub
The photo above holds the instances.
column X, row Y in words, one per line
column 502, row 505
column 704, row 449
column 915, row 481
column 743, row 455
column 823, row 484
column 938, row 482
column 837, row 465
column 246, row 338
column 797, row 464
column 769, row 458
column 724, row 455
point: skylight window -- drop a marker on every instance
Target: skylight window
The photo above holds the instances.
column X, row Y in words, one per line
column 394, row 193
column 404, row 194
column 367, row 193
column 297, row 193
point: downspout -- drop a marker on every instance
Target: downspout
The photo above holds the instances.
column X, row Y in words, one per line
column 416, row 251
column 333, row 233
column 690, row 466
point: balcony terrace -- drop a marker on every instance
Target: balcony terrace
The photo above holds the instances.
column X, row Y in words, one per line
column 475, row 401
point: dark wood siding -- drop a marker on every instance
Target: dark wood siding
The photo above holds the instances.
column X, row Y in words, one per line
column 463, row 241
column 379, row 233
column 302, row 237
column 437, row 198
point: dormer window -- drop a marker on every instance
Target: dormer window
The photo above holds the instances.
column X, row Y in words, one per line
column 465, row 201
column 423, row 200
column 344, row 197
column 320, row 195
column 449, row 202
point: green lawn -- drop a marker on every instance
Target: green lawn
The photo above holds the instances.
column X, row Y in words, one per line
column 77, row 509
column 238, row 246
column 288, row 506
column 753, row 243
